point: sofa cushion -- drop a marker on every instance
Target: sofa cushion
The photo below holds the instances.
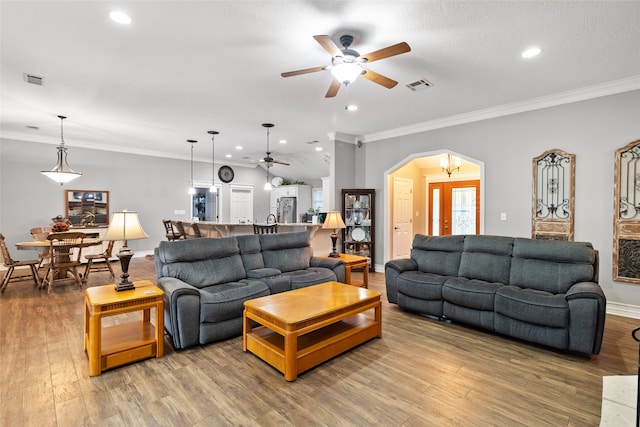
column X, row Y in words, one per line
column 250, row 251
column 533, row 306
column 420, row 285
column 197, row 249
column 207, row 272
column 486, row 258
column 437, row 255
column 551, row 266
column 471, row 293
column 310, row 276
column 226, row 301
column 286, row 251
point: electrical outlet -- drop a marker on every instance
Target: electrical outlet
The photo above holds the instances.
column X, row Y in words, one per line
column 503, row 216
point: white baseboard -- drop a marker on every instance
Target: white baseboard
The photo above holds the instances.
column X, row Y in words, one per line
column 626, row 310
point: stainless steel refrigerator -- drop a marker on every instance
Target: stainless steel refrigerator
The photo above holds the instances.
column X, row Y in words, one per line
column 287, row 210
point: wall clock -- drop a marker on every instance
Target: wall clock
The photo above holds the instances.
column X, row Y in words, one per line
column 225, row 173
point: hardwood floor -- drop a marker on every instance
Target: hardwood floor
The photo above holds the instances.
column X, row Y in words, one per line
column 420, row 373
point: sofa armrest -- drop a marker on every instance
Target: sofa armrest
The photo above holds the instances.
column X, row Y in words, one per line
column 334, row 264
column 392, row 270
column 181, row 311
column 587, row 311
column 402, row 264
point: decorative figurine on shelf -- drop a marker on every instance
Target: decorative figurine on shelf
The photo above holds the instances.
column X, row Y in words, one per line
column 60, row 224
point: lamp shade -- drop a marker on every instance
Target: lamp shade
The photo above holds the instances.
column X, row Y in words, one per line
column 125, row 225
column 333, row 220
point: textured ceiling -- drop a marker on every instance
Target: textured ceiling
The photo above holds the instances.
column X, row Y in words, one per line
column 182, row 68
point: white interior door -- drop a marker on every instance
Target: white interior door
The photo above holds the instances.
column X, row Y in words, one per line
column 241, row 205
column 402, row 217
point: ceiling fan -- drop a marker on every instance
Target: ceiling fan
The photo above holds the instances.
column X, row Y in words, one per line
column 346, row 63
column 268, row 160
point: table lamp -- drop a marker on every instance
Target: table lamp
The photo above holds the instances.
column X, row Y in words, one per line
column 334, row 220
column 125, row 226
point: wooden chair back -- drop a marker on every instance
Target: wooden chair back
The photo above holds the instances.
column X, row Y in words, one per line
column 6, row 256
column 12, row 264
column 196, row 229
column 265, row 229
column 66, row 248
column 170, row 230
column 182, row 234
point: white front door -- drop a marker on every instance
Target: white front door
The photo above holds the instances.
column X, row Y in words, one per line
column 241, row 205
column 402, row 217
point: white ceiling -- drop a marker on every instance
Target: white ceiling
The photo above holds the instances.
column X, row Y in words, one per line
column 182, row 68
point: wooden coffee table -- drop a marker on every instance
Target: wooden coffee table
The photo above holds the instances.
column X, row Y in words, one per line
column 305, row 327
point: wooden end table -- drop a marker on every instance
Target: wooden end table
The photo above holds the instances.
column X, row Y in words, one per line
column 128, row 342
column 305, row 327
column 351, row 262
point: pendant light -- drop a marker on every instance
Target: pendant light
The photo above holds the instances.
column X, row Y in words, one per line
column 62, row 172
column 213, row 188
column 192, row 189
column 267, row 185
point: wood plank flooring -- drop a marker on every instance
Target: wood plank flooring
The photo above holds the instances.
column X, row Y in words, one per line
column 420, row 373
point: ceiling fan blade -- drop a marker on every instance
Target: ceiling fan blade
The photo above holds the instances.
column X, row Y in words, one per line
column 305, row 71
column 281, row 163
column 328, row 45
column 379, row 78
column 333, row 89
column 396, row 49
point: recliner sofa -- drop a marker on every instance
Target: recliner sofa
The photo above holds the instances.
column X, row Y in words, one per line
column 541, row 291
column 206, row 281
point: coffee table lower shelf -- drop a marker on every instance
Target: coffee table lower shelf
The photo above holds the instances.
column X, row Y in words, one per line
column 314, row 347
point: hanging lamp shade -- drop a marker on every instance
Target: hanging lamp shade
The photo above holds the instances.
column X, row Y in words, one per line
column 213, row 188
column 192, row 189
column 61, row 172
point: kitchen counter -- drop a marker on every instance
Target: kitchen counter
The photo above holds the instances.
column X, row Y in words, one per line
column 320, row 239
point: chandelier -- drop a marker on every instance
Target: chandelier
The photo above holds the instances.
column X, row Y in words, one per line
column 62, row 172
column 450, row 164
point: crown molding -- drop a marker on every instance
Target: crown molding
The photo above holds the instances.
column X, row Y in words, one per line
column 568, row 97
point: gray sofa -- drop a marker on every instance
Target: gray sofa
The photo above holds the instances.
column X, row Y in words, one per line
column 545, row 292
column 206, row 281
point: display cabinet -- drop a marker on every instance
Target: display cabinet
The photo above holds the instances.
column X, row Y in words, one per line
column 358, row 212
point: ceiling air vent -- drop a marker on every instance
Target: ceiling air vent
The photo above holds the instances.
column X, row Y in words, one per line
column 33, row 79
column 419, row 85
column 315, row 141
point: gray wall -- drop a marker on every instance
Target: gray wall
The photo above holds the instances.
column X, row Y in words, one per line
column 153, row 186
column 591, row 129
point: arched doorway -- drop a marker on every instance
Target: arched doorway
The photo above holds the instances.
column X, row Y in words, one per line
column 407, row 216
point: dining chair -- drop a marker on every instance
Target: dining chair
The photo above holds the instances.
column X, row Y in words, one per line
column 66, row 250
column 106, row 266
column 170, row 231
column 40, row 234
column 196, row 229
column 9, row 262
column 182, row 234
column 265, row 229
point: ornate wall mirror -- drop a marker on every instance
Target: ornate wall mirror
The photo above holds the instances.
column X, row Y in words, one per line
column 88, row 208
column 553, row 195
column 626, row 207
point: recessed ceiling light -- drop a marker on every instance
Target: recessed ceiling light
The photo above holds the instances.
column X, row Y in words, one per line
column 531, row 52
column 238, row 147
column 351, row 107
column 228, row 156
column 318, row 148
column 120, row 17
column 283, row 141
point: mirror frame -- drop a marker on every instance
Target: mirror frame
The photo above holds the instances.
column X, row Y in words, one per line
column 101, row 208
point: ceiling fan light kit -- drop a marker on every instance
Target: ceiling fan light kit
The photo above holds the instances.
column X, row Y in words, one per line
column 346, row 63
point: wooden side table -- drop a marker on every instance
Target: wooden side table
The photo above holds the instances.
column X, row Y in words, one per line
column 128, row 342
column 351, row 262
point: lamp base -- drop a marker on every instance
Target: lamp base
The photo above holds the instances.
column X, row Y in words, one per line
column 334, row 239
column 125, row 256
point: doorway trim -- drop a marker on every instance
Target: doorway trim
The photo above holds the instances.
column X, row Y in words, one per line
column 387, row 234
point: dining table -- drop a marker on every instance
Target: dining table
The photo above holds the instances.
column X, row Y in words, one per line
column 40, row 244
